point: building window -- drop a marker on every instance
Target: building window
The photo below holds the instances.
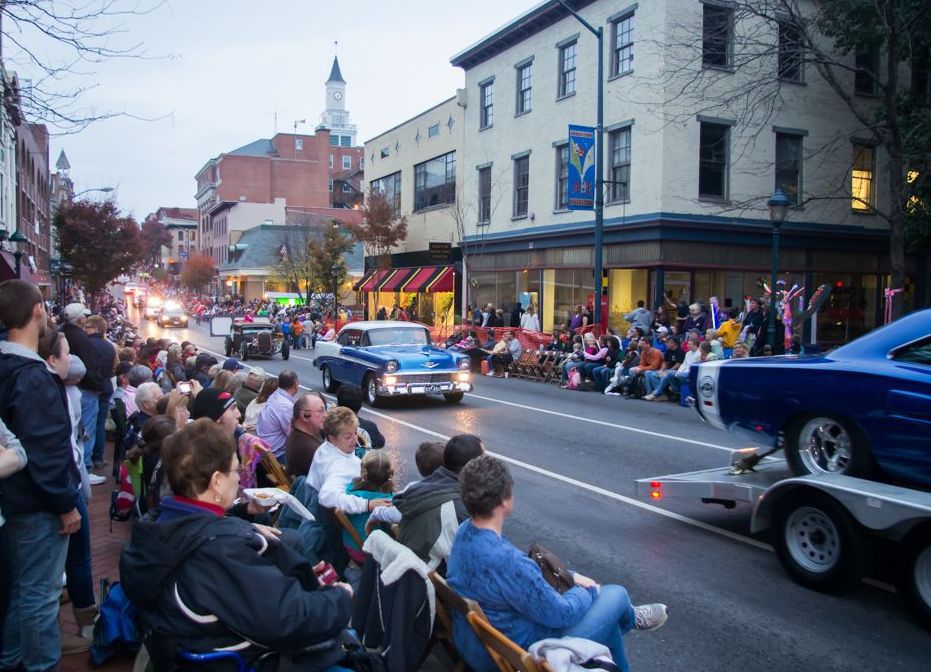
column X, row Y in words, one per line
column 347, row 187
column 389, row 187
column 712, row 161
column 862, row 184
column 619, row 166
column 521, row 185
column 789, row 165
column 484, row 196
column 524, row 85
column 181, row 236
column 717, row 27
column 334, row 140
column 435, row 182
column 867, row 66
column 790, row 52
column 622, row 56
column 486, row 105
column 433, row 131
column 298, row 143
column 345, row 141
column 385, row 153
column 347, row 163
column 567, row 69
column 361, row 163
column 562, row 177
column 330, row 187
column 330, row 162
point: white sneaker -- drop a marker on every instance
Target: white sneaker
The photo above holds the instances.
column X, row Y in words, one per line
column 490, row 373
column 506, row 374
column 649, row 397
column 650, row 616
column 94, row 479
column 613, row 394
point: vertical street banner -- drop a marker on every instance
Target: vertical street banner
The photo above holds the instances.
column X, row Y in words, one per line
column 581, row 187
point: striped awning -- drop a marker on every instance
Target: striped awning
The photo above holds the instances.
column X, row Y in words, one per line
column 394, row 279
column 370, row 280
column 430, row 279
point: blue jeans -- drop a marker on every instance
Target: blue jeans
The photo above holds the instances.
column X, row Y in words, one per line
column 601, row 375
column 78, row 562
column 90, row 405
column 606, row 622
column 671, row 382
column 100, row 434
column 651, row 380
column 37, row 551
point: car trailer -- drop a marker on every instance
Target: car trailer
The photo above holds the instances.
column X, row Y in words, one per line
column 823, row 526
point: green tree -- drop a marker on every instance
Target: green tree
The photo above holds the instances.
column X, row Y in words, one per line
column 98, row 242
column 329, row 253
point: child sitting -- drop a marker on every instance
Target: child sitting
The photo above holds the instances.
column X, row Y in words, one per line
column 373, row 483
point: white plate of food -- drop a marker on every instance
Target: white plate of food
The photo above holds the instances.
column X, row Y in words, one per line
column 266, row 497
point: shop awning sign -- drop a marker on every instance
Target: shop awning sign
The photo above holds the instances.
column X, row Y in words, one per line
column 581, row 189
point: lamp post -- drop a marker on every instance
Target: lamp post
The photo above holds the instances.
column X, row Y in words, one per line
column 105, row 190
column 334, row 270
column 18, row 241
column 599, row 161
column 778, row 209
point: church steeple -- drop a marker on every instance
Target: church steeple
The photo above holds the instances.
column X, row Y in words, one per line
column 335, row 116
column 335, row 74
column 63, row 165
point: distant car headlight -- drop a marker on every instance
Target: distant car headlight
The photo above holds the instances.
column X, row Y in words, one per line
column 392, row 366
column 464, row 376
column 465, row 364
column 391, row 380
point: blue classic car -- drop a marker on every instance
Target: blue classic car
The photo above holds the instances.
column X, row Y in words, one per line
column 862, row 410
column 391, row 359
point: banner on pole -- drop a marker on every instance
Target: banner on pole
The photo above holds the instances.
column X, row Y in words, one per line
column 581, row 189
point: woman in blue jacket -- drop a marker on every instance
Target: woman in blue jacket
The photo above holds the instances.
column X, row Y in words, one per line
column 510, row 588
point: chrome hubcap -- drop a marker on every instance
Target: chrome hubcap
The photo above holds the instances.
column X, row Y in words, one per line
column 923, row 575
column 373, row 392
column 824, row 446
column 812, row 539
column 326, row 377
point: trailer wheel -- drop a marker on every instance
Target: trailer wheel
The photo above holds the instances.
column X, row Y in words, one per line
column 913, row 576
column 818, row 543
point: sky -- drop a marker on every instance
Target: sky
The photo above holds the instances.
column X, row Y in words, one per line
column 216, row 71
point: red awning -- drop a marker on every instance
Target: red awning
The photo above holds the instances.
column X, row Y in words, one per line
column 430, row 279
column 365, row 278
column 394, row 279
column 8, row 268
column 372, row 281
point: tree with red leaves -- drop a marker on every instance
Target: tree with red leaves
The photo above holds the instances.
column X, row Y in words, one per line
column 154, row 237
column 198, row 271
column 381, row 229
column 98, row 241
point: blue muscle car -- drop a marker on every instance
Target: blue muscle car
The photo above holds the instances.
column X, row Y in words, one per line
column 862, row 410
column 391, row 359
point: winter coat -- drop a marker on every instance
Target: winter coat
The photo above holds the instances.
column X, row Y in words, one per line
column 431, row 511
column 80, row 344
column 207, row 581
column 395, row 604
column 34, row 406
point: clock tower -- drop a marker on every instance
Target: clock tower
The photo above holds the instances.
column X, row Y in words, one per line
column 336, row 117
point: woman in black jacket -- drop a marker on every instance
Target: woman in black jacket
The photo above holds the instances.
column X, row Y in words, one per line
column 204, row 581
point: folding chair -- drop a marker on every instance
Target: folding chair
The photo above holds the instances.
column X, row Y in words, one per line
column 275, row 472
column 447, row 602
column 507, row 655
column 343, row 520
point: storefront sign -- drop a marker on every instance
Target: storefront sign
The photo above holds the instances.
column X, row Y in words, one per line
column 440, row 252
column 581, row 168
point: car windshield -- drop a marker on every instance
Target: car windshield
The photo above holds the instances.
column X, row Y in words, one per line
column 257, row 329
column 398, row 336
column 174, row 312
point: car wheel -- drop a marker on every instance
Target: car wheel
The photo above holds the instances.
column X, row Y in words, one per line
column 328, row 383
column 244, row 352
column 913, row 576
column 285, row 351
column 229, row 347
column 818, row 543
column 371, row 390
column 826, row 445
column 453, row 397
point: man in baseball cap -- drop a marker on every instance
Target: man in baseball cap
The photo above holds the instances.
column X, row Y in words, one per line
column 219, row 406
column 232, row 365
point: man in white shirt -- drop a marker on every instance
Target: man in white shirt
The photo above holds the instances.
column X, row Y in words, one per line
column 274, row 422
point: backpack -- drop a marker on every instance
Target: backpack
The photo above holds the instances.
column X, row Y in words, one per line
column 124, row 500
column 117, row 629
column 575, row 379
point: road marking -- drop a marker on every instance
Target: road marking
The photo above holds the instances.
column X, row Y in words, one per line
column 733, row 536
column 628, row 428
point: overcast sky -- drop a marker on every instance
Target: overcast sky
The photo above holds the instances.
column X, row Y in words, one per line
column 230, row 64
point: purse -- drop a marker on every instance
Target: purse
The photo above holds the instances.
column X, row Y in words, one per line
column 555, row 571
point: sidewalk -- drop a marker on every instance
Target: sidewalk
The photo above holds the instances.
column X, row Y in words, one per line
column 105, row 552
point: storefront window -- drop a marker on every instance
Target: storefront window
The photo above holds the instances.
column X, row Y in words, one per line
column 850, row 310
column 573, row 287
column 625, row 288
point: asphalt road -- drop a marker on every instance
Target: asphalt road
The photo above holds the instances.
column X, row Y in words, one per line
column 575, row 456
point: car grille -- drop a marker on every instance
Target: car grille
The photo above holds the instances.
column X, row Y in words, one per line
column 429, row 378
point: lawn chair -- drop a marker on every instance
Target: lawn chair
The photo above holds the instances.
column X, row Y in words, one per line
column 343, row 520
column 525, row 364
column 275, row 472
column 449, row 601
column 507, row 655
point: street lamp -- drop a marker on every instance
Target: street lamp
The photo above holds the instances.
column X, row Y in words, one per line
column 335, row 269
column 18, row 241
column 778, row 209
column 105, row 190
column 599, row 159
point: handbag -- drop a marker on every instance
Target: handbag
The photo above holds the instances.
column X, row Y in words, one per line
column 555, row 571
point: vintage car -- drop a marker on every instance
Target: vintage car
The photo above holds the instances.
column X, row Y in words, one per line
column 171, row 315
column 391, row 359
column 255, row 339
column 863, row 409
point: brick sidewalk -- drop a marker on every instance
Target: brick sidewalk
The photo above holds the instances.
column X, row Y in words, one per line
column 105, row 554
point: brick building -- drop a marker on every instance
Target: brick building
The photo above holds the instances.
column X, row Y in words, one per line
column 181, row 224
column 32, row 206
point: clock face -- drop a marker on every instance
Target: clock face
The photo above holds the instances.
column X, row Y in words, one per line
column 337, row 96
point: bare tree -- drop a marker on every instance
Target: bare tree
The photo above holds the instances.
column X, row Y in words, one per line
column 295, row 260
column 54, row 45
column 748, row 66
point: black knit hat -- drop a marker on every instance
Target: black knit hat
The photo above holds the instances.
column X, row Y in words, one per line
column 211, row 403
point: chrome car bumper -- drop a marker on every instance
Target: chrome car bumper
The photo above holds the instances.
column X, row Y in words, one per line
column 398, row 386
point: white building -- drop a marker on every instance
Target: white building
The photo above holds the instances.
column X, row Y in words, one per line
column 688, row 166
column 335, row 115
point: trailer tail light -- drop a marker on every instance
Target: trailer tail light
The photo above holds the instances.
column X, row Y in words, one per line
column 656, row 490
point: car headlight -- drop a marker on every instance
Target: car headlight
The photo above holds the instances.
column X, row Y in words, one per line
column 464, row 377
column 392, row 366
column 391, row 380
column 465, row 364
